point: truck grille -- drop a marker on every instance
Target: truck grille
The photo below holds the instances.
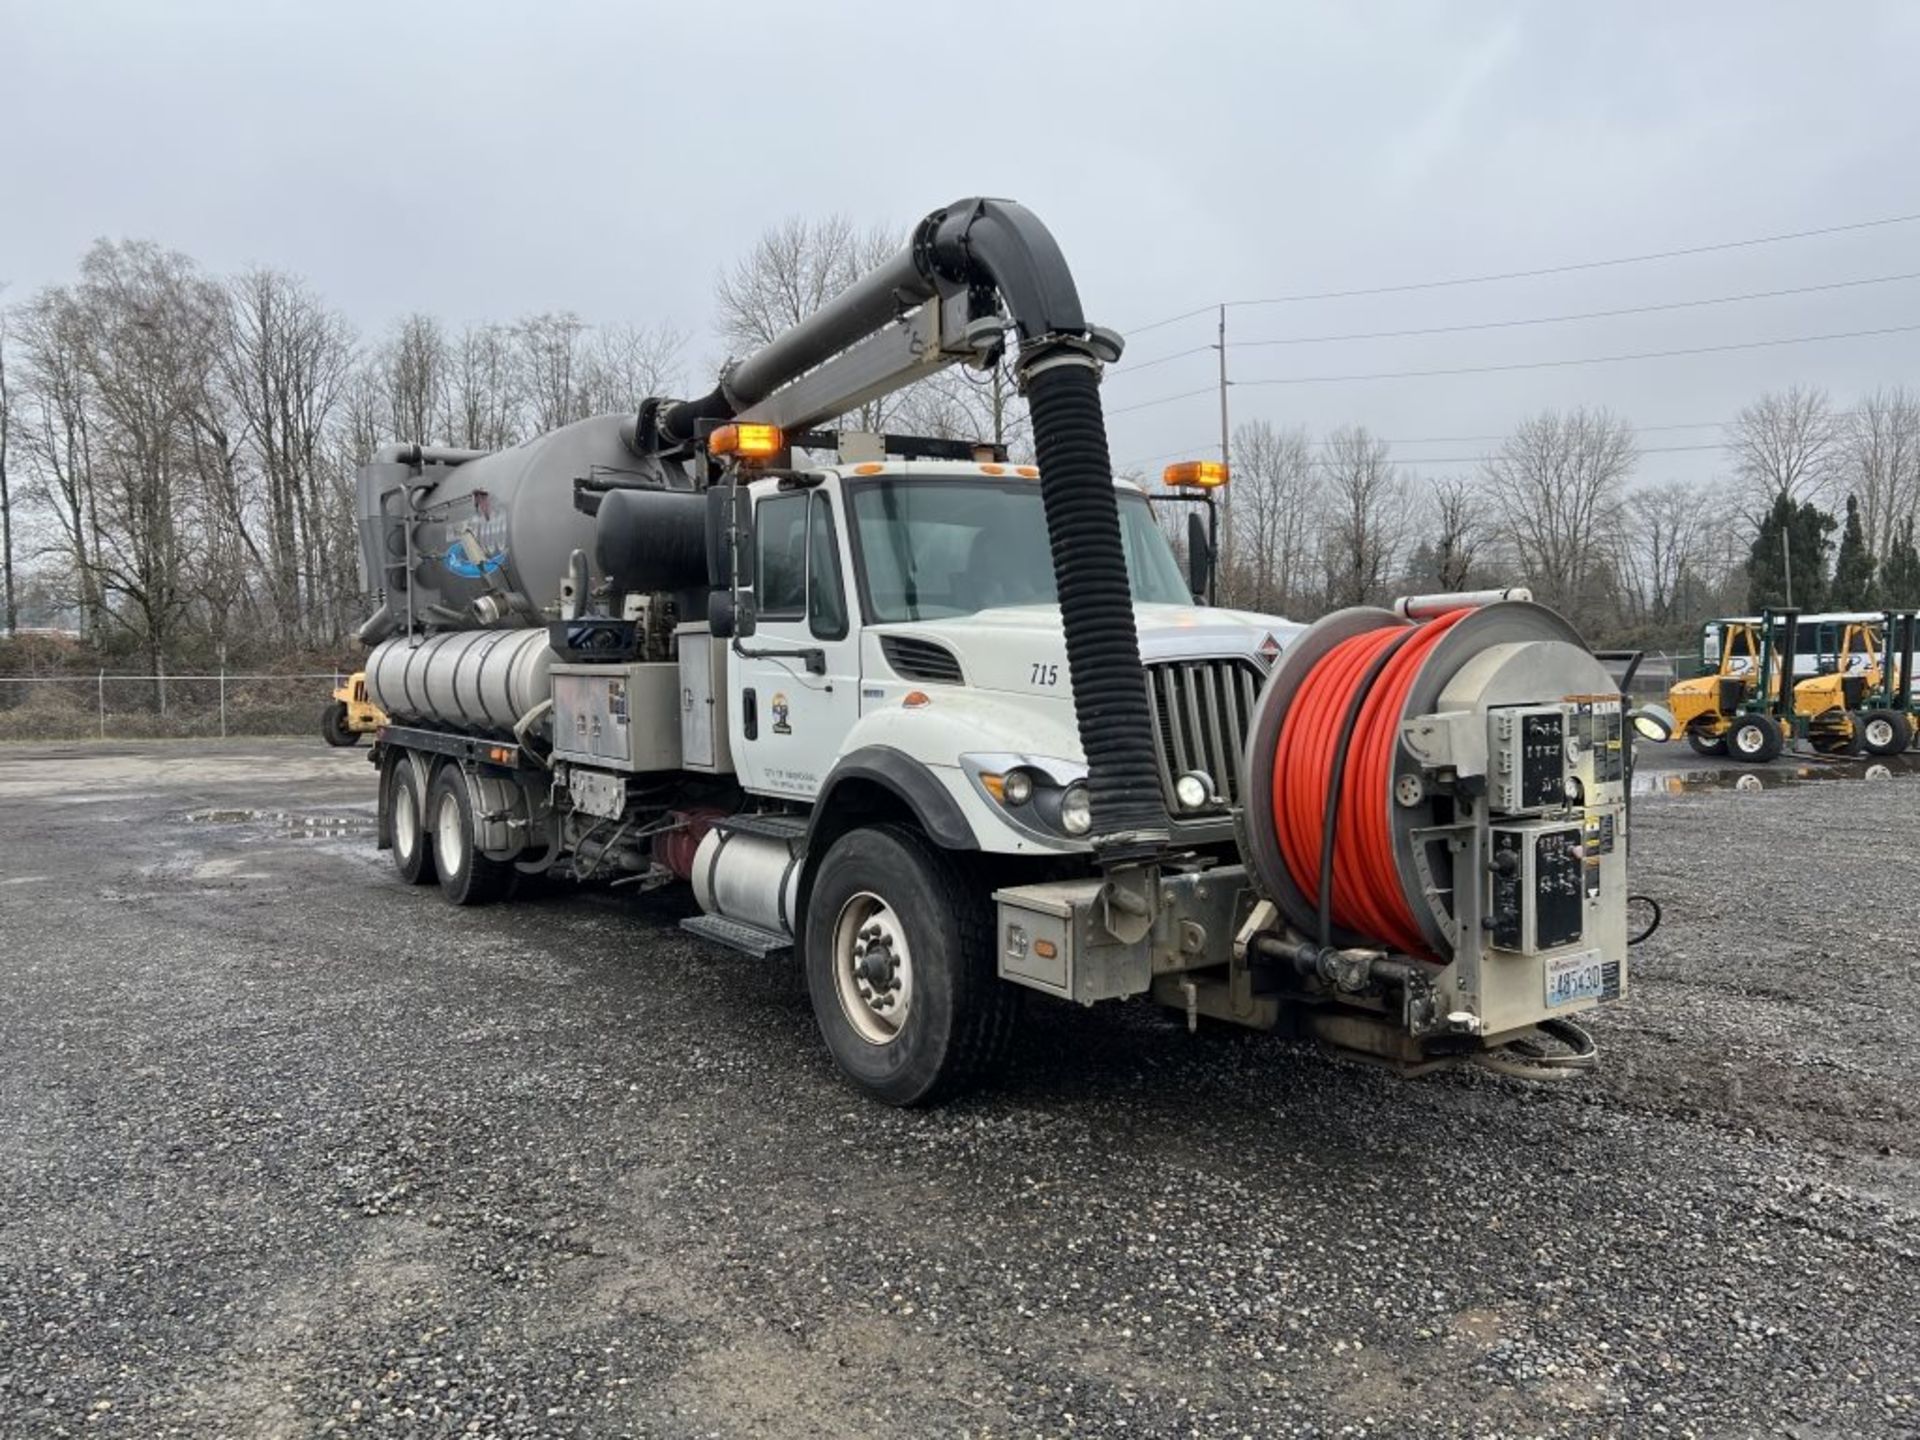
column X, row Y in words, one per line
column 1203, row 710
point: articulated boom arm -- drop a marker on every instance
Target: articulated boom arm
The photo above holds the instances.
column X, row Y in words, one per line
column 972, row 270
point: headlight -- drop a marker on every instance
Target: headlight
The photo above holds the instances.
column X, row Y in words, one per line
column 1076, row 811
column 1017, row 787
column 1193, row 790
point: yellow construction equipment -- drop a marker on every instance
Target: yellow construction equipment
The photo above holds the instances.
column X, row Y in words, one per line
column 350, row 714
column 1733, row 709
column 1752, row 703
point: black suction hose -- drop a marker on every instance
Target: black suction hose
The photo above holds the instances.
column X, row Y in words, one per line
column 1096, row 611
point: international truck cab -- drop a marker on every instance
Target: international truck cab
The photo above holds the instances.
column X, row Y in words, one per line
column 954, row 730
column 907, row 609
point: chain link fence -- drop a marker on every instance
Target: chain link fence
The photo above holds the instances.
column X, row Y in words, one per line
column 115, row 706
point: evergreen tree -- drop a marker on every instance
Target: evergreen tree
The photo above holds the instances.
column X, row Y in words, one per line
column 1853, row 587
column 1900, row 573
column 1791, row 543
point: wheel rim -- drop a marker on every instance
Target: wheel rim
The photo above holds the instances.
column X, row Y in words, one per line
column 1748, row 739
column 449, row 844
column 872, row 968
column 406, row 822
column 1879, row 734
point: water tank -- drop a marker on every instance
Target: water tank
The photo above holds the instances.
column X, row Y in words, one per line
column 477, row 680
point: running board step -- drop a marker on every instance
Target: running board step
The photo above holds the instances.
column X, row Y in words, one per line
column 738, row 935
column 770, row 824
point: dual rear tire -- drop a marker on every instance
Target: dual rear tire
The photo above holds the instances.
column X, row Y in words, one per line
column 433, row 834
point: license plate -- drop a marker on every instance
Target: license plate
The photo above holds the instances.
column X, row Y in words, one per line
column 1573, row 978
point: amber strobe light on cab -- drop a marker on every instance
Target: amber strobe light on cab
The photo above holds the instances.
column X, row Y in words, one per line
column 749, row 442
column 1195, row 474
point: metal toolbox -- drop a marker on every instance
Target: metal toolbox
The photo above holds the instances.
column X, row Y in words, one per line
column 622, row 717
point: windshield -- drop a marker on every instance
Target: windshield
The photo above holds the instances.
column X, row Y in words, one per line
column 931, row 549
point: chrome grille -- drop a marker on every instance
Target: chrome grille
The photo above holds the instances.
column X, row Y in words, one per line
column 1203, row 710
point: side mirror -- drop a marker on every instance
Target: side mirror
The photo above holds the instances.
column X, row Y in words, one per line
column 745, row 618
column 1199, row 558
column 720, row 614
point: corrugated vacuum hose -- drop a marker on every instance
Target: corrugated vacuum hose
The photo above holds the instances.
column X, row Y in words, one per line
column 1096, row 612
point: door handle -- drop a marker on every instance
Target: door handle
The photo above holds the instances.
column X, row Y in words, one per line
column 750, row 714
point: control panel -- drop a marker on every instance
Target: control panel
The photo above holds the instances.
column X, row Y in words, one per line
column 1527, row 759
column 1538, row 892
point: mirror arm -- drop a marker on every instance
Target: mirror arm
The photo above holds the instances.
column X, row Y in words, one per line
column 812, row 656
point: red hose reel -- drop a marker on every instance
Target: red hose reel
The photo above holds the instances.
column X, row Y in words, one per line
column 1337, row 744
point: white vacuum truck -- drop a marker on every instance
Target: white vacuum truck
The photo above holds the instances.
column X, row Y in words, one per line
column 959, row 730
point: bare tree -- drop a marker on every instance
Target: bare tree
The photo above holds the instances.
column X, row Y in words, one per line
column 286, row 360
column 1668, row 556
column 1881, row 445
column 1556, row 486
column 57, row 441
column 1367, row 508
column 1787, row 442
column 1459, row 529
column 791, row 271
column 147, row 328
column 413, row 367
column 483, row 389
column 8, row 592
column 624, row 364
column 1276, row 521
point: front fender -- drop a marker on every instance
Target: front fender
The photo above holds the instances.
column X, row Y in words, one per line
column 958, row 721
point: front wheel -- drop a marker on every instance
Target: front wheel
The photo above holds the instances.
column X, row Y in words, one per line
column 1754, row 738
column 899, row 964
column 334, row 728
column 1885, row 732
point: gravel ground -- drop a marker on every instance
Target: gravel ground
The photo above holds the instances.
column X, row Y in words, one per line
column 292, row 1149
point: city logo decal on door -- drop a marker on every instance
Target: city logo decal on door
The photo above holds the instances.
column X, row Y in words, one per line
column 780, row 712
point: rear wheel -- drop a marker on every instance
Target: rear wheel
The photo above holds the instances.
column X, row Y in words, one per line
column 899, row 964
column 412, row 848
column 1885, row 732
column 466, row 876
column 334, row 728
column 1754, row 738
column 1705, row 744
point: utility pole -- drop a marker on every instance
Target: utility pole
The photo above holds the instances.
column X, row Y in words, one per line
column 1786, row 555
column 1226, row 457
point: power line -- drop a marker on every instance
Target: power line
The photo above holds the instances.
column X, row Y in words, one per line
column 1534, row 320
column 1529, row 364
column 1537, row 272
column 1427, row 459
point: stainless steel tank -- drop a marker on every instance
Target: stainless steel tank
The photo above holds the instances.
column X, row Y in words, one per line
column 484, row 680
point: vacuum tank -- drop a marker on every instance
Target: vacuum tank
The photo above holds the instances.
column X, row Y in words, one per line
column 471, row 551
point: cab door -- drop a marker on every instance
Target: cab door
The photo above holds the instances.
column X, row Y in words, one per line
column 797, row 677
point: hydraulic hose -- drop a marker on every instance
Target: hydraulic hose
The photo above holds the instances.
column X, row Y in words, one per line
column 1333, row 781
column 1096, row 611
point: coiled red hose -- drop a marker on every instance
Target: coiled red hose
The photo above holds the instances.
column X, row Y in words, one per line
column 1367, row 897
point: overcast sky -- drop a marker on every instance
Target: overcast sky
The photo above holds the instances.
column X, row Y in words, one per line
column 481, row 160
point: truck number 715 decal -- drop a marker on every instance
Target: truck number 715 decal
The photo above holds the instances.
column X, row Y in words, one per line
column 1045, row 674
